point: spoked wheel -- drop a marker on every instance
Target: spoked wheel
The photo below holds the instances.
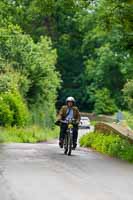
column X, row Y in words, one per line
column 66, row 145
column 69, row 145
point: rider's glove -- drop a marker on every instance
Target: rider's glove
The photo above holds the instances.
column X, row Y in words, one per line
column 57, row 123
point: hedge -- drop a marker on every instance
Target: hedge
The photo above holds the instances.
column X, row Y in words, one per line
column 110, row 144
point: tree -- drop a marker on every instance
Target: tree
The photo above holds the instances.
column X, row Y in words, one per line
column 13, row 108
column 107, row 35
column 93, row 42
column 55, row 19
column 128, row 94
column 35, row 62
column 104, row 104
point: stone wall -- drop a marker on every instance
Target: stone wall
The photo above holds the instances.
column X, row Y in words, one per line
column 113, row 128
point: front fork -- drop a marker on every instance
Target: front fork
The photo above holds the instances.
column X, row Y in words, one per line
column 71, row 134
column 68, row 136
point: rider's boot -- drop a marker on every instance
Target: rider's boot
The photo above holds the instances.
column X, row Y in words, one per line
column 74, row 146
column 61, row 143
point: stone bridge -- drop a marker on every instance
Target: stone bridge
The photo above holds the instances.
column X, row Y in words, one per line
column 106, row 128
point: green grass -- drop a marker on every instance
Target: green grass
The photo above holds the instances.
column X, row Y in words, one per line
column 110, row 144
column 27, row 135
column 93, row 122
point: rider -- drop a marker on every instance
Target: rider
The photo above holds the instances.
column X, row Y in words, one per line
column 69, row 111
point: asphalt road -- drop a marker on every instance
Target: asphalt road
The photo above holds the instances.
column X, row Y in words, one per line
column 42, row 172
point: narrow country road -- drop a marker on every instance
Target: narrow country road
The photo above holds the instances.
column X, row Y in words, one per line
column 42, row 172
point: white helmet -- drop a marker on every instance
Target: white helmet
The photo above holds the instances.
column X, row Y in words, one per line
column 70, row 99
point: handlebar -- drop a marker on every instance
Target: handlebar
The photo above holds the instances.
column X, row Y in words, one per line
column 73, row 121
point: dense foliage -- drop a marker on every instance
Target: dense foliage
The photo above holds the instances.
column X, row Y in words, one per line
column 107, row 47
column 13, row 110
column 27, row 135
column 103, row 102
column 93, row 41
column 128, row 116
column 110, row 144
column 128, row 94
column 27, row 78
column 89, row 42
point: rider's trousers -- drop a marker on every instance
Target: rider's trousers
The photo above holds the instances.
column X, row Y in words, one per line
column 63, row 129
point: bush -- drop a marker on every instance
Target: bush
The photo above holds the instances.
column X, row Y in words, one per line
column 13, row 110
column 27, row 135
column 6, row 115
column 129, row 119
column 29, row 68
column 128, row 94
column 103, row 103
column 110, row 144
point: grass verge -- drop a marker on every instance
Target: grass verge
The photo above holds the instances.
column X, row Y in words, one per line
column 111, row 144
column 27, row 135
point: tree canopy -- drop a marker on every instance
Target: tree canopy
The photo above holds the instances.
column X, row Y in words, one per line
column 84, row 45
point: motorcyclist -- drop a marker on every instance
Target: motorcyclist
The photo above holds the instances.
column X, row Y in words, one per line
column 69, row 111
